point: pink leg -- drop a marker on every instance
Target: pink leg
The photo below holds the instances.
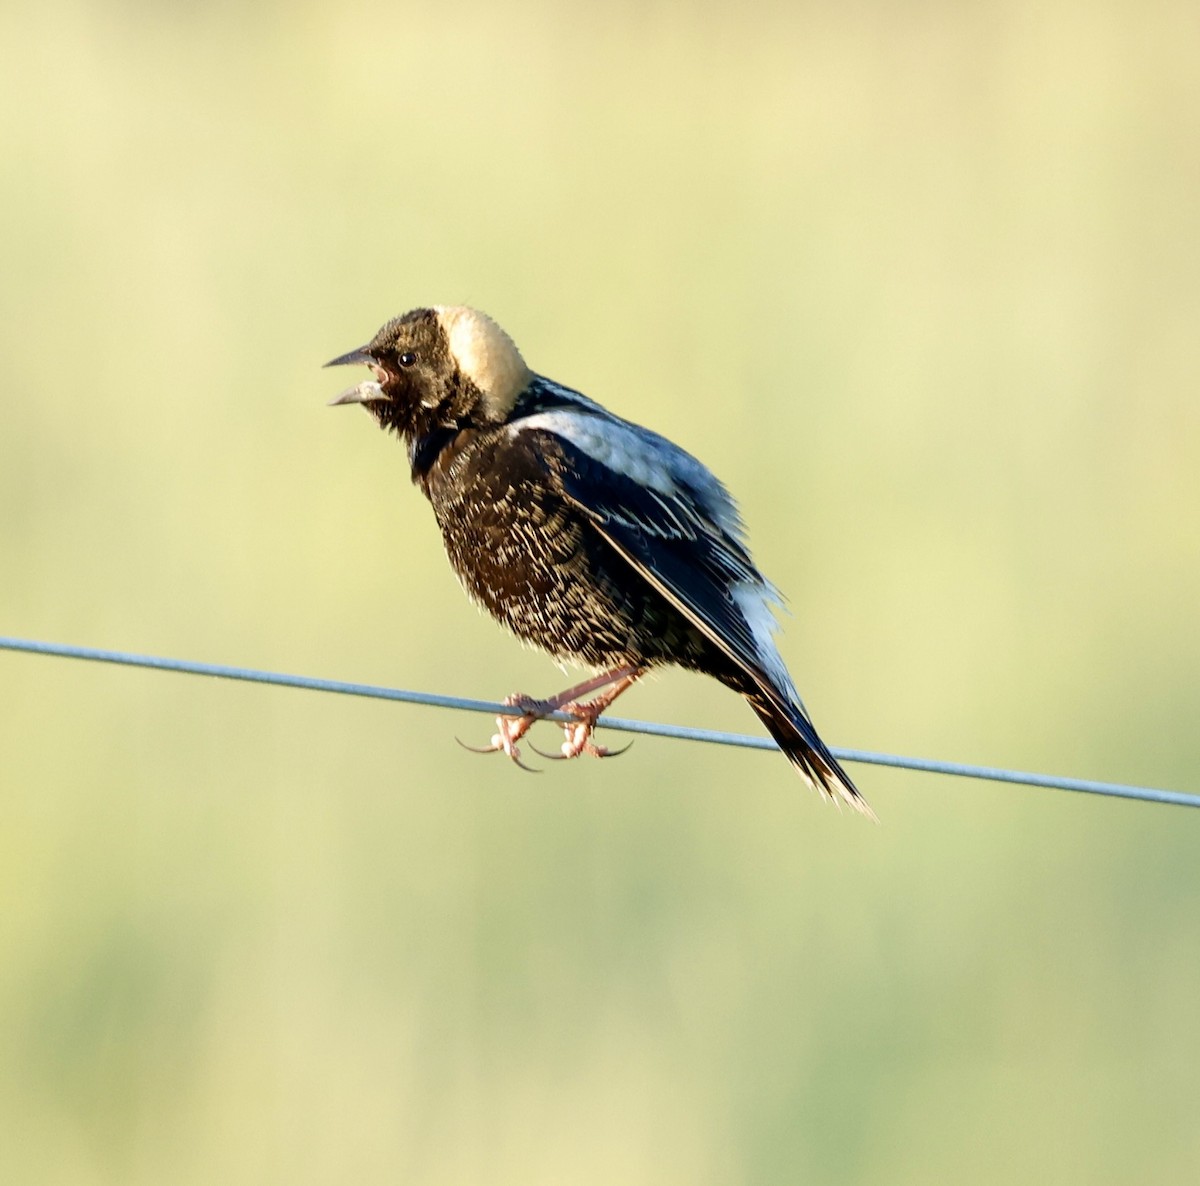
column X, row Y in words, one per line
column 510, row 729
column 579, row 733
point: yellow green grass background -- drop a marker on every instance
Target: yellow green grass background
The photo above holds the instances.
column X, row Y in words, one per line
column 920, row 281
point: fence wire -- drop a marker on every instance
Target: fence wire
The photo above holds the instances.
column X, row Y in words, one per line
column 649, row 728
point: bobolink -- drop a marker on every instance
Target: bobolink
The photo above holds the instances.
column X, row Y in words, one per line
column 598, row 540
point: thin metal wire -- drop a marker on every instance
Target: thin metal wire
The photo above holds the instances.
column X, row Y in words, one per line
column 677, row 732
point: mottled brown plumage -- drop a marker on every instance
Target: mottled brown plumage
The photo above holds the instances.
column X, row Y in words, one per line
column 592, row 538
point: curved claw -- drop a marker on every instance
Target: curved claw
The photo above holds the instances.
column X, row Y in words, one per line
column 478, row 749
column 496, row 748
column 589, row 747
column 602, row 752
column 541, row 753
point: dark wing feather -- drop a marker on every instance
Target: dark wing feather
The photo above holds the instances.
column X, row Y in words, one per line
column 670, row 538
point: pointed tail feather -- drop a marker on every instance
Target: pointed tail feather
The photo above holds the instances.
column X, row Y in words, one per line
column 806, row 751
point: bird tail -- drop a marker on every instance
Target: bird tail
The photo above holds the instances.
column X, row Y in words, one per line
column 794, row 733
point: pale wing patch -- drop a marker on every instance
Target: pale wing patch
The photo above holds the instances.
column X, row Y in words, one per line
column 486, row 355
column 644, row 456
column 634, row 454
column 755, row 600
column 640, row 455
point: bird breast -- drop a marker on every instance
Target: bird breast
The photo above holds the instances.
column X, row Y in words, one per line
column 525, row 553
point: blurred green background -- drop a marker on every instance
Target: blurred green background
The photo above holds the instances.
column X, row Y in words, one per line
column 921, row 282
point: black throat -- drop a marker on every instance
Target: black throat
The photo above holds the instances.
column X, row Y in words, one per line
column 425, row 449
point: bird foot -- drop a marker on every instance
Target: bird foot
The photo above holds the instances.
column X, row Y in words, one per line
column 579, row 732
column 510, row 730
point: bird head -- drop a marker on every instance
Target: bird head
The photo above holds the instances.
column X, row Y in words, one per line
column 447, row 366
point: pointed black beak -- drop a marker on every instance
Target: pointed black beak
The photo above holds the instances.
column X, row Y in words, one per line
column 358, row 357
column 365, row 393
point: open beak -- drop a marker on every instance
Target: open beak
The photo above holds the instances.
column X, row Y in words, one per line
column 364, row 393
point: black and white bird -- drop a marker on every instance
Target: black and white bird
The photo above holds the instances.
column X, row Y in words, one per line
column 589, row 536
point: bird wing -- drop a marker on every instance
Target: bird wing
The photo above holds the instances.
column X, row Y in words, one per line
column 668, row 517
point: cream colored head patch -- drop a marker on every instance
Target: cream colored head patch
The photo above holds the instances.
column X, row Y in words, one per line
column 486, row 355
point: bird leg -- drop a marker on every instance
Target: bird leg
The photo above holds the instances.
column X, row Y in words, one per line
column 579, row 732
column 511, row 729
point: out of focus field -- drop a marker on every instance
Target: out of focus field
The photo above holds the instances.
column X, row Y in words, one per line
column 920, row 282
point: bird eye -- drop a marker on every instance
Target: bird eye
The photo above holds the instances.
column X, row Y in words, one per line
column 407, row 359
